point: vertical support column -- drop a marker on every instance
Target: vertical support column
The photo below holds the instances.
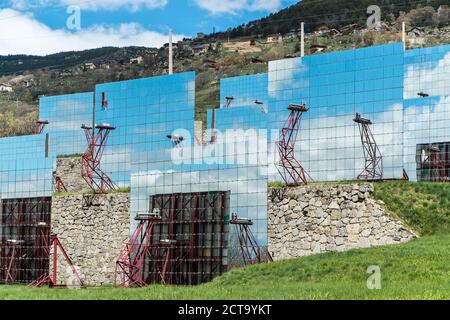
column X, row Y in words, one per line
column 170, row 52
column 404, row 35
column 213, row 126
column 55, row 263
column 302, row 39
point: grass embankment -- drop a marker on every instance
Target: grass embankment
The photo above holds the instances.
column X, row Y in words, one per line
column 419, row 269
column 416, row 270
column 423, row 206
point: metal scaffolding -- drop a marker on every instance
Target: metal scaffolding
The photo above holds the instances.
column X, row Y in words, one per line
column 228, row 102
column 435, row 163
column 288, row 166
column 373, row 160
column 104, row 102
column 47, row 242
column 252, row 253
column 58, row 184
column 182, row 242
column 21, row 258
column 92, row 158
column 40, row 126
column 130, row 264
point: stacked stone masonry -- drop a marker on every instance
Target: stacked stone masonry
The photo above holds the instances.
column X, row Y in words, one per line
column 93, row 235
column 69, row 170
column 314, row 219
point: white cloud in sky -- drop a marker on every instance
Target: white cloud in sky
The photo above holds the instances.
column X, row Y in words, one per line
column 428, row 78
column 21, row 33
column 419, row 118
column 235, row 6
column 134, row 5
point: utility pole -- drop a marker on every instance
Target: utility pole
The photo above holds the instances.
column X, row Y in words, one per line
column 170, row 52
column 302, row 39
column 404, row 35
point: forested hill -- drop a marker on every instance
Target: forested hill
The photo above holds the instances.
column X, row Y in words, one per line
column 334, row 13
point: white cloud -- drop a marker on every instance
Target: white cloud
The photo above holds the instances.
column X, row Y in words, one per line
column 33, row 37
column 429, row 78
column 235, row 6
column 425, row 122
column 133, row 5
column 287, row 74
column 27, row 4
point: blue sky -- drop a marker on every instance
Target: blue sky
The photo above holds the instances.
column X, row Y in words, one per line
column 40, row 26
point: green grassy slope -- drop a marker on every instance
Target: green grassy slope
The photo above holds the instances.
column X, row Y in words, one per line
column 416, row 270
column 419, row 269
column 423, row 206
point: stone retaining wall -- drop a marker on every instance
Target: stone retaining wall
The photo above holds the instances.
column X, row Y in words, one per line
column 314, row 219
column 69, row 170
column 93, row 235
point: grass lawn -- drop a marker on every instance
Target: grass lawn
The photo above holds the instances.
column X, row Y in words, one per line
column 419, row 269
column 423, row 206
column 416, row 270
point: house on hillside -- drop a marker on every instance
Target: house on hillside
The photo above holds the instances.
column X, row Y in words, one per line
column 137, row 60
column 90, row 66
column 105, row 66
column 6, row 88
column 201, row 49
column 275, row 38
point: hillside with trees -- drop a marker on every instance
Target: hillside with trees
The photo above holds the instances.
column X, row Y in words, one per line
column 331, row 24
column 335, row 14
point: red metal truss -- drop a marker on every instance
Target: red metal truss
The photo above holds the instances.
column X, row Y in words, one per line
column 437, row 166
column 46, row 242
column 181, row 242
column 13, row 259
column 288, row 166
column 58, row 184
column 104, row 101
column 373, row 160
column 40, row 126
column 20, row 259
column 252, row 253
column 405, row 175
column 131, row 262
column 92, row 158
column 228, row 102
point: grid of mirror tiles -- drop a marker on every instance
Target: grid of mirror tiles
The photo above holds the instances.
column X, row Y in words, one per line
column 405, row 94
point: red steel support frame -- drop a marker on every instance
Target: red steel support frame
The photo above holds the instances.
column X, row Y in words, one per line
column 51, row 279
column 58, row 184
column 436, row 165
column 40, row 126
column 19, row 257
column 104, row 101
column 91, row 171
column 373, row 160
column 15, row 254
column 131, row 262
column 252, row 253
column 289, row 167
column 179, row 243
column 228, row 102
